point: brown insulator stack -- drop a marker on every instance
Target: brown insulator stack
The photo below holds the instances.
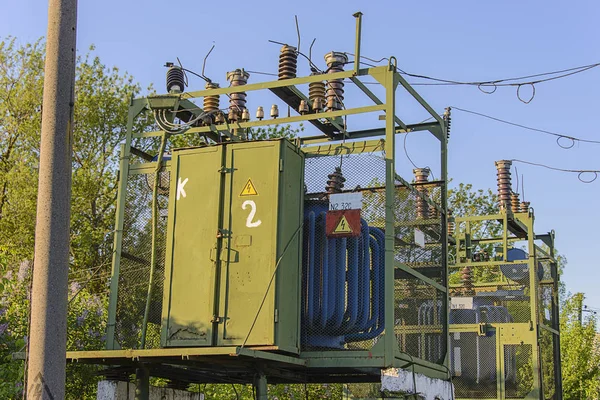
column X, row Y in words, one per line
column 211, row 103
column 451, row 224
column 335, row 87
column 467, row 281
column 422, row 176
column 237, row 101
column 504, row 184
column 288, row 62
column 336, row 180
column 515, row 204
column 524, row 207
column 316, row 95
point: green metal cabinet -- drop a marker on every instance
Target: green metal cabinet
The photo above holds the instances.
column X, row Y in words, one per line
column 232, row 272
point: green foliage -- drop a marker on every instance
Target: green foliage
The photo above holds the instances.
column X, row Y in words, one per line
column 102, row 100
column 580, row 351
column 465, row 201
column 276, row 131
column 276, row 392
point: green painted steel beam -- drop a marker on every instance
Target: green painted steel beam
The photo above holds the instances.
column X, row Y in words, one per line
column 421, row 277
column 370, row 133
column 375, row 99
column 281, row 83
column 278, row 121
column 264, row 355
column 389, row 339
column 344, row 148
column 421, row 101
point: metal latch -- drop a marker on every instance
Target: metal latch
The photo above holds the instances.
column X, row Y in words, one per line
column 225, row 170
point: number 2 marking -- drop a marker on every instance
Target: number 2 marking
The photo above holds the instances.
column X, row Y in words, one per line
column 249, row 222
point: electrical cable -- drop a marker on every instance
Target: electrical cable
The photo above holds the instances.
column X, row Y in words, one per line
column 507, row 81
column 580, row 172
column 271, row 282
column 558, row 136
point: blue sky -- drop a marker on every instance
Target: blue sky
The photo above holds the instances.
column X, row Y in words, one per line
column 461, row 40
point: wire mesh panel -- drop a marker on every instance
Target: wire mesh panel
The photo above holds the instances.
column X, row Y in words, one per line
column 547, row 363
column 518, row 367
column 473, row 363
column 135, row 262
column 344, row 242
column 420, row 312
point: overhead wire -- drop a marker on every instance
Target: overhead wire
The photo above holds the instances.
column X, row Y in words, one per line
column 580, row 172
column 559, row 136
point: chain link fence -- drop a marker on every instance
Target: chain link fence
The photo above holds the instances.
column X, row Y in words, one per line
column 343, row 263
column 420, row 315
column 136, row 252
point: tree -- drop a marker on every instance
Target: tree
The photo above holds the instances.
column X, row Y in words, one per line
column 101, row 106
column 580, row 350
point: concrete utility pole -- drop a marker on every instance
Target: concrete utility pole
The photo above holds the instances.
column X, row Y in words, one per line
column 48, row 332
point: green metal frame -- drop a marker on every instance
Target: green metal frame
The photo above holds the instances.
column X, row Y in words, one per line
column 516, row 228
column 386, row 353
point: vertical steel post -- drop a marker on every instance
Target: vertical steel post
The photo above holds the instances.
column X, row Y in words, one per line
column 135, row 108
column 390, row 342
column 142, row 383
column 260, row 384
column 556, row 325
column 444, row 234
column 533, row 299
column 358, row 16
column 47, row 342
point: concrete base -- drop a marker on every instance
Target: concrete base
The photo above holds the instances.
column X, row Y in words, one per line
column 112, row 390
column 423, row 387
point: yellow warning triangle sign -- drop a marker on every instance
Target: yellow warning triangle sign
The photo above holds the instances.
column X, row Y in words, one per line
column 249, row 189
column 343, row 226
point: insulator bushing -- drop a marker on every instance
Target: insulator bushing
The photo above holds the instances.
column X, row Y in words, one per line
column 515, row 204
column 467, row 281
column 336, row 180
column 504, row 184
column 175, row 80
column 288, row 61
column 303, row 107
column 211, row 103
column 260, row 113
column 316, row 95
column 237, row 100
column 422, row 176
column 448, row 119
column 451, row 224
column 335, row 87
column 524, row 206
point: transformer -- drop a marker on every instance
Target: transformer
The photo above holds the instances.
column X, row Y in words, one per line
column 292, row 260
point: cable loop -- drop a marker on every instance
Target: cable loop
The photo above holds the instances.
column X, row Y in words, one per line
column 568, row 146
column 479, row 86
column 519, row 92
column 587, row 180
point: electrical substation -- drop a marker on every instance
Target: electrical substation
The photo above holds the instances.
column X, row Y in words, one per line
column 504, row 330
column 310, row 260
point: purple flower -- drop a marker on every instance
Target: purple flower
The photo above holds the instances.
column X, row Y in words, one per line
column 3, row 328
column 23, row 271
column 74, row 287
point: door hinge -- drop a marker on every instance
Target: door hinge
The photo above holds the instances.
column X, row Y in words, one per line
column 217, row 320
column 276, row 315
column 280, row 164
column 225, row 170
column 223, row 234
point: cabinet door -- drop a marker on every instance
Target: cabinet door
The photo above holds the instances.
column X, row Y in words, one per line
column 247, row 308
column 194, row 211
